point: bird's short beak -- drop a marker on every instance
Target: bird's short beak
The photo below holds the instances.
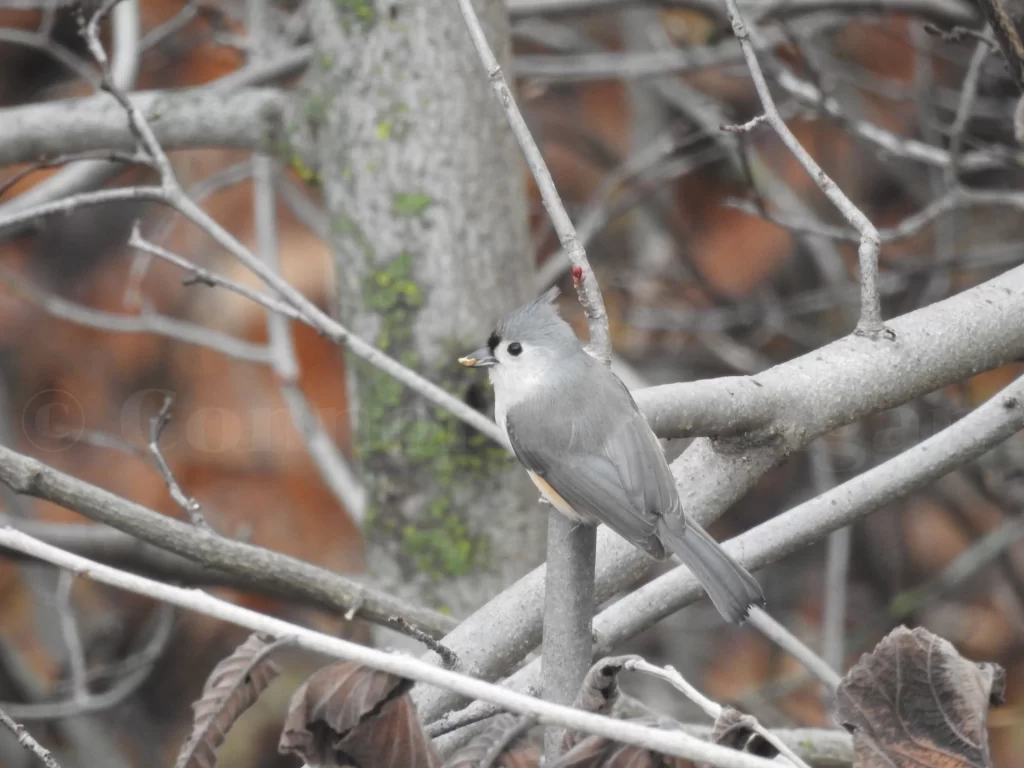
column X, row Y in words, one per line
column 481, row 358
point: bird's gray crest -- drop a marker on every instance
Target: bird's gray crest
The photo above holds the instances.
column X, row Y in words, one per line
column 537, row 321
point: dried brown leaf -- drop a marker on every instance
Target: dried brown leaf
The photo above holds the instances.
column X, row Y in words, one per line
column 599, row 752
column 516, row 752
column 735, row 730
column 600, row 688
column 914, row 701
column 232, row 687
column 598, row 692
column 346, row 714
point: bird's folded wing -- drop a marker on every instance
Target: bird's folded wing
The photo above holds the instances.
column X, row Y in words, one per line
column 604, row 480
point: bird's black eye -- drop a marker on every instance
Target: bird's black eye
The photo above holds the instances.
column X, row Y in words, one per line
column 515, row 349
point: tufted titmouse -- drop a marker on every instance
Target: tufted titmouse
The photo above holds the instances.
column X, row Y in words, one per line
column 592, row 454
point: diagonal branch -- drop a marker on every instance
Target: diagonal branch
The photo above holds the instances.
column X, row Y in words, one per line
column 794, row 403
column 870, row 323
column 261, row 567
column 1007, row 27
column 981, row 430
column 667, row 742
column 25, row 739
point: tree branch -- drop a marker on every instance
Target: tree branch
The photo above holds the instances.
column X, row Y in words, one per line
column 1007, row 29
column 982, row 429
column 196, row 118
column 789, row 406
column 25, row 739
column 666, row 742
column 870, row 322
column 260, row 567
column 842, row 382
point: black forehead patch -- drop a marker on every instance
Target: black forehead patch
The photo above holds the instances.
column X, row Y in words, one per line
column 493, row 341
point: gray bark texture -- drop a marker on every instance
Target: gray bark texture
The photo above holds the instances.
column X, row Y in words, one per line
column 425, row 189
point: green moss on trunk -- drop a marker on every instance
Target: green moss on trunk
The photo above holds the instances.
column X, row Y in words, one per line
column 422, row 465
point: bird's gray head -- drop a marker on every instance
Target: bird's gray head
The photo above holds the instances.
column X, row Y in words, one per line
column 526, row 343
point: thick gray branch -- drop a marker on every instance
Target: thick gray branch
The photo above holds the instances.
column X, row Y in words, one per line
column 973, row 331
column 949, row 341
column 251, row 118
column 984, row 428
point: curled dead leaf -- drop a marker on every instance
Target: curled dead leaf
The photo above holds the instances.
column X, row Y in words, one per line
column 598, row 692
column 232, row 687
column 505, row 735
column 599, row 752
column 346, row 714
column 915, row 701
column 736, row 730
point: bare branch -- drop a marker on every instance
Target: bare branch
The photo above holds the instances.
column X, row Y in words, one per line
column 870, row 322
column 711, row 708
column 25, row 739
column 258, row 566
column 1007, row 29
column 587, row 289
column 788, row 642
column 72, row 638
column 133, row 672
column 979, row 431
column 968, row 93
column 837, row 564
column 568, row 613
column 157, row 425
column 335, row 471
column 666, row 742
column 194, row 118
column 161, row 325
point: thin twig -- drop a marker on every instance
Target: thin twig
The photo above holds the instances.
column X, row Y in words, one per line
column 837, row 564
column 666, row 742
column 72, row 638
column 260, row 567
column 135, row 670
column 160, row 325
column 25, row 739
column 202, row 276
column 870, row 322
column 42, row 42
column 111, row 156
column 792, row 645
column 965, row 107
column 448, row 657
column 157, row 425
column 335, row 471
column 711, row 708
column 587, row 289
column 524, row 724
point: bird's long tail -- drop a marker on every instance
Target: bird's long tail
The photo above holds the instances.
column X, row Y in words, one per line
column 731, row 588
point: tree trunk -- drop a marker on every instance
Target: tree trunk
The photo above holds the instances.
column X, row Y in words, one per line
column 425, row 189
